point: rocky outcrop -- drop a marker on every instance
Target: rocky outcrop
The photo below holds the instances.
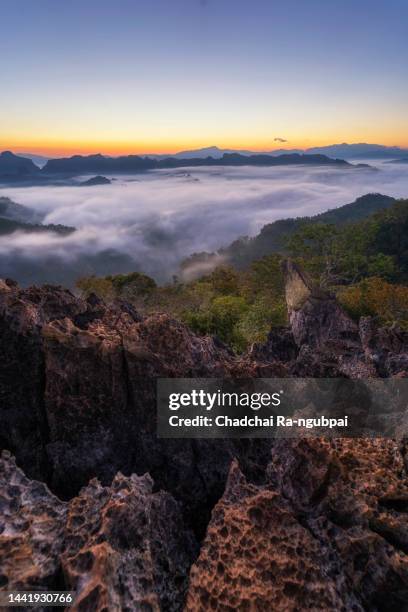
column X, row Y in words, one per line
column 31, row 530
column 316, row 319
column 280, row 346
column 318, row 524
column 119, row 547
column 327, row 532
column 387, row 348
column 330, row 343
column 78, row 388
column 258, row 556
column 23, row 313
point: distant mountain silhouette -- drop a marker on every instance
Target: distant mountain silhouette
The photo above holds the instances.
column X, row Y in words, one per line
column 96, row 180
column 39, row 160
column 402, row 160
column 359, row 151
column 213, row 151
column 217, row 153
column 99, row 164
column 15, row 168
column 13, row 165
column 342, row 151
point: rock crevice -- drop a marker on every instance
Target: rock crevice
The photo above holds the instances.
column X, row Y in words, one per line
column 311, row 523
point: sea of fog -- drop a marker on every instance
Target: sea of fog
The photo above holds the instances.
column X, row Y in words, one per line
column 151, row 221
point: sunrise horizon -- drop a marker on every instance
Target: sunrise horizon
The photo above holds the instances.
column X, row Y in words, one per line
column 162, row 78
column 116, row 150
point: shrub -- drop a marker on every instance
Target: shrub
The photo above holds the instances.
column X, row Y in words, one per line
column 376, row 297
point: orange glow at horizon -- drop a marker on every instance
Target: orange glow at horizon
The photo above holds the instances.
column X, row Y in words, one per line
column 68, row 148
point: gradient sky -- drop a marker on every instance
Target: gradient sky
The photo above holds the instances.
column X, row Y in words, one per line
column 162, row 75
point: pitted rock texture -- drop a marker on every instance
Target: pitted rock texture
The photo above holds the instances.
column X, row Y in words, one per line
column 353, row 495
column 327, row 532
column 31, row 530
column 121, row 547
column 258, row 556
column 126, row 548
column 308, row 524
column 78, row 379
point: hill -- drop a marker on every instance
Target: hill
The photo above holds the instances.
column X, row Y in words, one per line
column 343, row 151
column 8, row 226
column 364, row 262
column 16, row 169
column 18, row 212
column 39, row 160
column 95, row 180
column 16, row 217
column 273, row 237
column 359, row 151
column 359, row 209
column 218, row 153
column 99, row 164
column 14, row 166
column 402, row 160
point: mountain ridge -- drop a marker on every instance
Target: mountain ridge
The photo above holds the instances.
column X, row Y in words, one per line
column 15, row 169
column 360, row 150
column 272, row 236
column 16, row 217
column 15, row 166
column 99, row 164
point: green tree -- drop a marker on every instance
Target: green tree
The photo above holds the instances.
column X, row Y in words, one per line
column 316, row 244
column 132, row 285
column 225, row 280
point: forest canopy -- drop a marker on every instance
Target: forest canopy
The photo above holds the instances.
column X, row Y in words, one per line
column 364, row 263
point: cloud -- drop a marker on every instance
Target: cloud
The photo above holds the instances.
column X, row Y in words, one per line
column 280, row 140
column 153, row 221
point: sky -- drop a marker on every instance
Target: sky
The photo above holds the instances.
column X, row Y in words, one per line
column 140, row 76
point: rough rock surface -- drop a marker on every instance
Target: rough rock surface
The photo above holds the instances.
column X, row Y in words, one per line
column 315, row 316
column 327, row 532
column 308, row 524
column 280, row 346
column 22, row 366
column 31, row 530
column 121, row 547
column 387, row 349
column 78, row 384
column 330, row 343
